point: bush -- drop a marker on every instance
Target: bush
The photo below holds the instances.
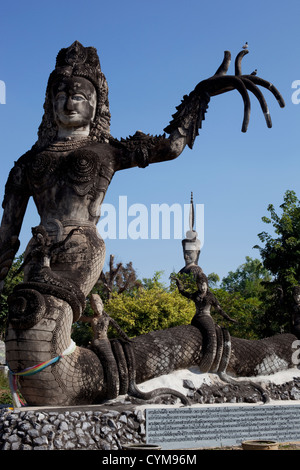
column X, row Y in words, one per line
column 150, row 309
column 5, row 395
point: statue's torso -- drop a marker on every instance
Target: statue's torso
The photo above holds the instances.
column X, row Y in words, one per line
column 70, row 183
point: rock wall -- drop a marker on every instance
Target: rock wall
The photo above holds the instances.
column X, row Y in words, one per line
column 72, row 429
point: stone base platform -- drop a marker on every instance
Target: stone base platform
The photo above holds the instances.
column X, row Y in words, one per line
column 219, row 415
column 171, row 427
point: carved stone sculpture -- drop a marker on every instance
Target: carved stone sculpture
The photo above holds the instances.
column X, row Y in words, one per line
column 67, row 172
column 216, row 340
column 204, row 300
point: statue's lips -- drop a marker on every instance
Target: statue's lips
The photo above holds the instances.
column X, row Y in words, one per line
column 72, row 115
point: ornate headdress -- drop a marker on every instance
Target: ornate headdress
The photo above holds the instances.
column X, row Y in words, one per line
column 77, row 61
column 191, row 242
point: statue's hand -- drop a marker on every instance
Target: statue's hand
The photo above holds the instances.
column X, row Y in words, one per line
column 191, row 112
column 221, row 83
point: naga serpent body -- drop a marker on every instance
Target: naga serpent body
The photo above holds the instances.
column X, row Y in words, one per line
column 116, row 366
column 80, row 377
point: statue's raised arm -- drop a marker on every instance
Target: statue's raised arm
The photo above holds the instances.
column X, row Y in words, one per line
column 186, row 122
column 220, row 83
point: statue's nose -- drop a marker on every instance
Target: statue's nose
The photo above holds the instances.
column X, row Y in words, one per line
column 69, row 104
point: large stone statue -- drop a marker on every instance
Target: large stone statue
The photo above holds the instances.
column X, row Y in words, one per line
column 67, row 172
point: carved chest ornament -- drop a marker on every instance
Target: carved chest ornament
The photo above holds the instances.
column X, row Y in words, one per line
column 81, row 169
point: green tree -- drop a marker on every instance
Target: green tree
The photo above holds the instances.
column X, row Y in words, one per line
column 248, row 312
column 213, row 280
column 281, row 257
column 248, row 279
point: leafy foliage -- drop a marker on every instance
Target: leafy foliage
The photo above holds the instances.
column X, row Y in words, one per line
column 5, row 394
column 248, row 279
column 155, row 307
column 149, row 309
column 281, row 256
column 248, row 312
column 150, row 305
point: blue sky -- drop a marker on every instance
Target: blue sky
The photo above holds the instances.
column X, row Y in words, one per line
column 152, row 53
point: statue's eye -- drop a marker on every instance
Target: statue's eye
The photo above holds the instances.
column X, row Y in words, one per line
column 60, row 96
column 78, row 98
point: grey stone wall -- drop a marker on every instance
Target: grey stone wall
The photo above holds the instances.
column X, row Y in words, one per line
column 72, row 429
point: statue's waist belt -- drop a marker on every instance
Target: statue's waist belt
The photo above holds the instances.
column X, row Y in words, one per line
column 77, row 223
column 55, row 225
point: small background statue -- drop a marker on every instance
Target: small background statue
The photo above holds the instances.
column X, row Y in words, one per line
column 198, row 291
column 216, row 340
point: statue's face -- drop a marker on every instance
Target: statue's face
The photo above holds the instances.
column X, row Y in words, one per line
column 74, row 103
column 297, row 298
column 190, row 256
